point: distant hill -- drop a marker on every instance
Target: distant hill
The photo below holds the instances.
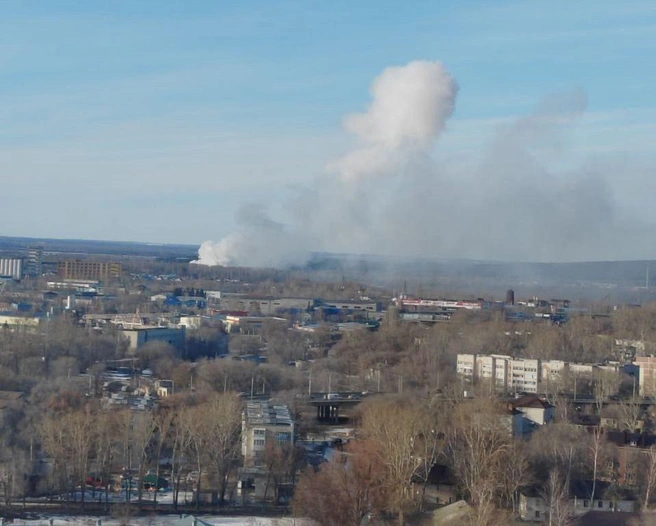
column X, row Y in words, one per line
column 18, row 245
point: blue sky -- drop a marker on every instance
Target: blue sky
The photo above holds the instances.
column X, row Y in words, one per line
column 153, row 120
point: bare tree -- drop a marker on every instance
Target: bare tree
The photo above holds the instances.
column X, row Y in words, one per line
column 630, row 415
column 142, row 430
column 478, row 445
column 164, row 422
column 649, row 475
column 69, row 438
column 605, row 384
column 555, row 495
column 516, row 473
column 282, row 462
column 404, row 431
column 223, row 418
column 559, row 447
column 595, row 447
column 193, row 425
column 344, row 491
column 14, row 467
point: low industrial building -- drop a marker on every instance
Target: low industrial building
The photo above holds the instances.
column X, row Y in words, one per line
column 11, row 268
column 138, row 337
column 11, row 320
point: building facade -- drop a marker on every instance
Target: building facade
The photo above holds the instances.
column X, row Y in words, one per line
column 11, row 268
column 264, row 425
column 508, row 374
column 34, row 262
column 89, row 270
column 647, row 374
column 523, row 375
column 138, row 337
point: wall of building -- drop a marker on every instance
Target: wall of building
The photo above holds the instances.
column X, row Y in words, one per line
column 139, row 337
column 11, row 267
column 86, row 269
column 647, row 375
column 264, row 431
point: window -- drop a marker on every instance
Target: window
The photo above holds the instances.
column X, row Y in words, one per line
column 600, row 504
column 537, row 514
column 259, row 438
column 585, row 503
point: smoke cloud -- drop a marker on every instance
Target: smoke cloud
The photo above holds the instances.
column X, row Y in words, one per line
column 388, row 195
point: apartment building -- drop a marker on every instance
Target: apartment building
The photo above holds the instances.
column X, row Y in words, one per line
column 508, row 374
column 499, row 368
column 524, row 375
column 647, row 375
column 263, row 425
column 466, row 365
column 90, row 270
column 552, row 370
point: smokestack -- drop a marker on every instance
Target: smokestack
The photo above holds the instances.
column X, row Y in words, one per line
column 510, row 297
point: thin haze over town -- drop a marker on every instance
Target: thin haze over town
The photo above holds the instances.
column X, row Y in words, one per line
column 504, row 131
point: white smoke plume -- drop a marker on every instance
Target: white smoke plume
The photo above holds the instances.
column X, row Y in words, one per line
column 388, row 195
column 409, row 108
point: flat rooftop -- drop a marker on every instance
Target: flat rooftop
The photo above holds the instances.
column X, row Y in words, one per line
column 268, row 414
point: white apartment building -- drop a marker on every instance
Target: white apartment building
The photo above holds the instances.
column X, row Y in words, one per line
column 264, row 424
column 466, row 365
column 552, row 370
column 484, row 366
column 501, row 370
column 524, row 375
column 508, row 374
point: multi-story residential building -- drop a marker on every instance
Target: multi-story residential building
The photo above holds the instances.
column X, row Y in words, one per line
column 501, row 370
column 552, row 370
column 466, row 365
column 264, row 425
column 524, row 375
column 485, row 366
column 508, row 374
column 647, row 375
column 89, row 270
